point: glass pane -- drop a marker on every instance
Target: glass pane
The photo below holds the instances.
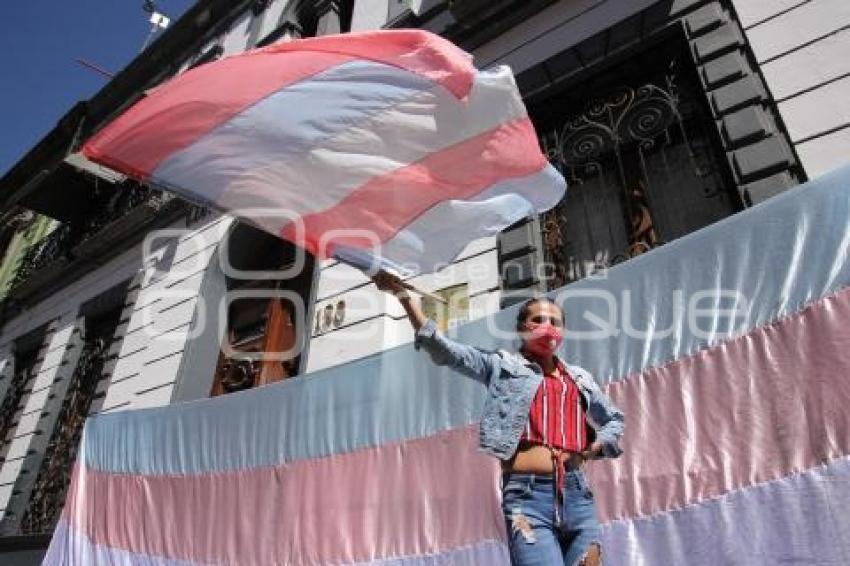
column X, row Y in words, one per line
column 451, row 314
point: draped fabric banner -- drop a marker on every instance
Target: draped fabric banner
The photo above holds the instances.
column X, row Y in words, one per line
column 729, row 351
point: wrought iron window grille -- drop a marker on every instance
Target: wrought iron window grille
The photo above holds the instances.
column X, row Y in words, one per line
column 54, row 476
column 634, row 152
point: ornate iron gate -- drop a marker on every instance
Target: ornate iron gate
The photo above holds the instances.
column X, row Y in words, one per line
column 642, row 168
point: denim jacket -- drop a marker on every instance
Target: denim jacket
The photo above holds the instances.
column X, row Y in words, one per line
column 512, row 382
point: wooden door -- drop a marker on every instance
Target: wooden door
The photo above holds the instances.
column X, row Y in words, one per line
column 276, row 336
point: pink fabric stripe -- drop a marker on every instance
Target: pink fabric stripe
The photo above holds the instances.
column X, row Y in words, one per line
column 757, row 408
column 386, row 204
column 181, row 111
column 420, row 497
column 414, row 50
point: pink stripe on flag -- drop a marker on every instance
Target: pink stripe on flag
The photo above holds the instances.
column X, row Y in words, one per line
column 352, row 507
column 413, row 50
column 768, row 404
column 181, row 111
column 386, row 204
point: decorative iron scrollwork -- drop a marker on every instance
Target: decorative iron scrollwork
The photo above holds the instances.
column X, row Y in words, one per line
column 239, row 374
column 118, row 202
column 24, row 370
column 48, row 493
column 626, row 116
column 55, row 246
column 588, row 143
column 110, row 207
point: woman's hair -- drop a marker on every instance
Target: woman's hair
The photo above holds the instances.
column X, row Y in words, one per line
column 526, row 306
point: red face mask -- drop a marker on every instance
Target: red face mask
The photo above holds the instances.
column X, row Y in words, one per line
column 543, row 339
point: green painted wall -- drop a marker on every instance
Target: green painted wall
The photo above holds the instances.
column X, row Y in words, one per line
column 21, row 242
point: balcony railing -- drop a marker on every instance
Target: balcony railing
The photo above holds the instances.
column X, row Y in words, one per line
column 117, row 216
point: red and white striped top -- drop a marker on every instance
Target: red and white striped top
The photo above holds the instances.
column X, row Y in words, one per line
column 556, row 417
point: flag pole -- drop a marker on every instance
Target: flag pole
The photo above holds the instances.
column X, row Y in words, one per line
column 423, row 292
column 371, row 272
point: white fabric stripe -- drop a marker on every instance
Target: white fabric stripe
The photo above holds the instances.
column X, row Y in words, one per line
column 798, row 519
column 563, row 416
column 334, row 132
column 579, row 423
column 441, row 233
column 68, row 547
column 545, row 413
column 489, row 552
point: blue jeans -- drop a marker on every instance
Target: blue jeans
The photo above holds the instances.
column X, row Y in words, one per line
column 528, row 502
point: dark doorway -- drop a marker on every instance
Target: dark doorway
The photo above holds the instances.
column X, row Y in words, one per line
column 268, row 309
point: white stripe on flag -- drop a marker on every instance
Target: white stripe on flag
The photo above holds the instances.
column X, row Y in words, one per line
column 349, row 137
column 442, row 232
column 563, row 415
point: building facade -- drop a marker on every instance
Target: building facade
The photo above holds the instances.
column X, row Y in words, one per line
column 664, row 116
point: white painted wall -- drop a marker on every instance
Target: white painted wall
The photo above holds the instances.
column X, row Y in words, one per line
column 271, row 17
column 369, row 14
column 161, row 317
column 803, row 48
column 59, row 312
column 59, row 338
column 236, row 40
column 374, row 321
column 150, row 344
column 71, row 297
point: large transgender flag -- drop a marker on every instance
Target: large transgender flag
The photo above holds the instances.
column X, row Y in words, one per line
column 387, row 142
column 732, row 363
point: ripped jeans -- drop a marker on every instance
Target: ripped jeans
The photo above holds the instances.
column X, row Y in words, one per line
column 528, row 502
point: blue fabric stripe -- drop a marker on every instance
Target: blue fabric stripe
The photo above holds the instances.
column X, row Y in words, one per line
column 289, row 122
column 381, row 399
column 781, row 255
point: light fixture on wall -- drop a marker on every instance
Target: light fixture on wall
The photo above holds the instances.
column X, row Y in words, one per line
column 158, row 20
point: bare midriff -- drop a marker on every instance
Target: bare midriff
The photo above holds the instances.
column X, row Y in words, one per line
column 537, row 459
